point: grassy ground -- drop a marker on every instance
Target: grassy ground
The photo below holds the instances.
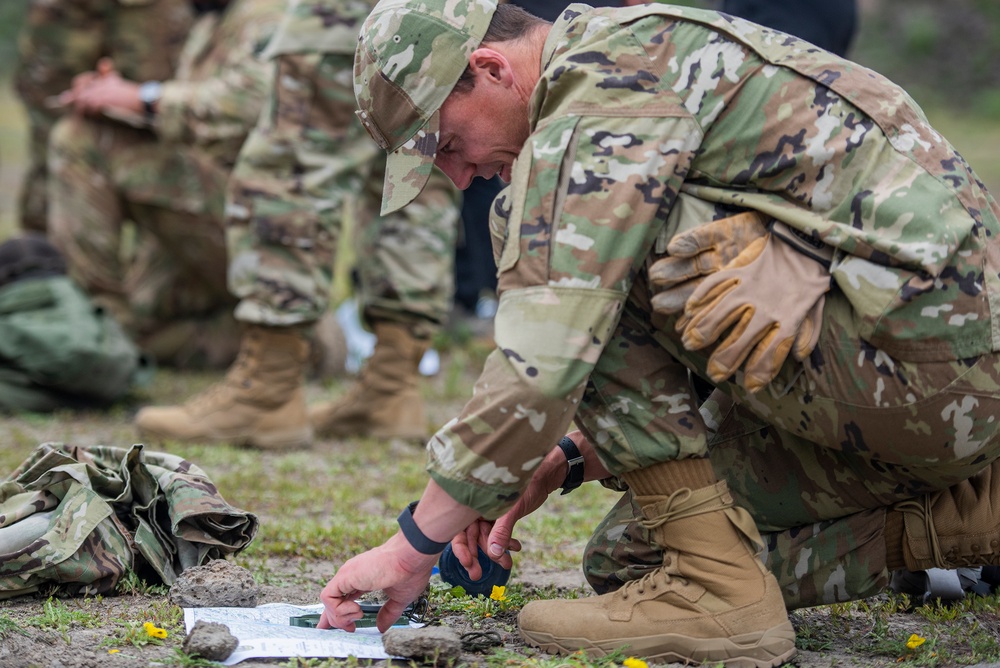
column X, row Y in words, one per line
column 319, row 507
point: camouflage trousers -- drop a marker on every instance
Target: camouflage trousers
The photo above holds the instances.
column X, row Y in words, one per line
column 32, row 201
column 819, row 455
column 308, row 179
column 168, row 284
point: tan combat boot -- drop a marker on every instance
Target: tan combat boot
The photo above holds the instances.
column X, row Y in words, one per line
column 953, row 528
column 260, row 403
column 712, row 599
column 386, row 401
column 327, row 349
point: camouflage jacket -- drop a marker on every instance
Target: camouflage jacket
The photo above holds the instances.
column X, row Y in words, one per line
column 63, row 38
column 222, row 79
column 634, row 107
column 80, row 518
column 308, row 169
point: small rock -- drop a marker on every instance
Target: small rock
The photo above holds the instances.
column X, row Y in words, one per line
column 436, row 645
column 218, row 583
column 210, row 640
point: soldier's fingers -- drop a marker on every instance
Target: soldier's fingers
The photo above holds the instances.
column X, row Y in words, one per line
column 389, row 613
column 341, row 613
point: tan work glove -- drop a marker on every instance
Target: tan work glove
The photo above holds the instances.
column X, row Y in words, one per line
column 696, row 253
column 772, row 295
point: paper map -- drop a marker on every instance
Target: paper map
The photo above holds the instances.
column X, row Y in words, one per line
column 264, row 632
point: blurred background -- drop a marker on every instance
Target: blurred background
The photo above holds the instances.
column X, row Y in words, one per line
column 946, row 54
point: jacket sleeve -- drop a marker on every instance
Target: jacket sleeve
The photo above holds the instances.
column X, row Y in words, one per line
column 587, row 199
column 221, row 109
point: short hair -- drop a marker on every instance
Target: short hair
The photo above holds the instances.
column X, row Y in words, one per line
column 509, row 23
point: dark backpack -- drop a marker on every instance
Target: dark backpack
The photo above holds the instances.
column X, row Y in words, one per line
column 57, row 349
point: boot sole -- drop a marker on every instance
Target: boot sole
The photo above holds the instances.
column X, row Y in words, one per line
column 768, row 649
column 297, row 439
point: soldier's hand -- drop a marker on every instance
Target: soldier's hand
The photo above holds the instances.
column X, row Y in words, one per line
column 394, row 567
column 105, row 67
column 772, row 296
column 697, row 253
column 478, row 534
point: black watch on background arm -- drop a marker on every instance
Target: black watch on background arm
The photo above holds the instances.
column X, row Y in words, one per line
column 574, row 478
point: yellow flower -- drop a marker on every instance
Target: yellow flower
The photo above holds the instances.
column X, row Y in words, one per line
column 154, row 631
column 113, row 651
column 915, row 641
column 633, row 662
column 498, row 593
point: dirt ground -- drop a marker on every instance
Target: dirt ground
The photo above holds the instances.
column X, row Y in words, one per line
column 80, row 647
column 848, row 638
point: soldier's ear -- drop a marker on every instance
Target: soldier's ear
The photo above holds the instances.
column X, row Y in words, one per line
column 490, row 66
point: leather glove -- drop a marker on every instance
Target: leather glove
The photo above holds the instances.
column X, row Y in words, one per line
column 772, row 295
column 696, row 253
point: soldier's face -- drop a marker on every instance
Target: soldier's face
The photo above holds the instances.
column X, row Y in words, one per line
column 482, row 132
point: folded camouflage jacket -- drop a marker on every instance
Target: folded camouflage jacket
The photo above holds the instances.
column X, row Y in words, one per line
column 79, row 518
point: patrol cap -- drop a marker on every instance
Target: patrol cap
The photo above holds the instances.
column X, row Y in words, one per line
column 410, row 55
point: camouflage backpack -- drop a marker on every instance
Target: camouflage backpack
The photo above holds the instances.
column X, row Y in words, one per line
column 56, row 348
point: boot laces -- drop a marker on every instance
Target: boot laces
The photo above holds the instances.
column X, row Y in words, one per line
column 920, row 507
column 676, row 510
column 647, row 581
column 207, row 398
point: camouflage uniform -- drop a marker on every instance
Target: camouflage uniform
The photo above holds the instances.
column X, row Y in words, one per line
column 169, row 181
column 80, row 518
column 307, row 169
column 63, row 38
column 638, row 105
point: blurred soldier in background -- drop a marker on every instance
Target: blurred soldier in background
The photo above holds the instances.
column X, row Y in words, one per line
column 159, row 154
column 62, row 38
column 307, row 171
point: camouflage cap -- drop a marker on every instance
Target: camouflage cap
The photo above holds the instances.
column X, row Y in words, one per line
column 410, row 55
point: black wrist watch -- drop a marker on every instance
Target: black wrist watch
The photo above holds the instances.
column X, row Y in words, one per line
column 149, row 95
column 574, row 478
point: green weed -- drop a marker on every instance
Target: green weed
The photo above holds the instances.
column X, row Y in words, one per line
column 60, row 618
column 133, row 585
column 8, row 626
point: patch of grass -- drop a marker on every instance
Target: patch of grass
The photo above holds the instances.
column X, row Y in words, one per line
column 8, row 626
column 56, row 615
column 179, row 658
column 350, row 662
column 133, row 585
column 503, row 659
column 132, row 632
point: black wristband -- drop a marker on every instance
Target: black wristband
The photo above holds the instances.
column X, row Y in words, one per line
column 414, row 536
column 574, row 478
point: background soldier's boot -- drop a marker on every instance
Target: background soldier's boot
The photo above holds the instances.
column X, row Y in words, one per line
column 210, row 342
column 327, row 349
column 711, row 600
column 386, row 401
column 260, row 403
column 953, row 528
